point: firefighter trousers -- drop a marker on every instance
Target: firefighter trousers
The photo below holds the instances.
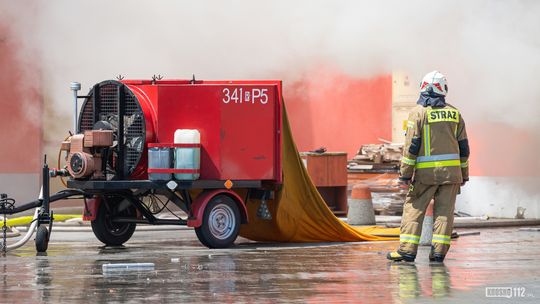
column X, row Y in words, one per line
column 414, row 209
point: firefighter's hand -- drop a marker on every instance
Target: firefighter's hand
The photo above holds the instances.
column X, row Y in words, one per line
column 404, row 184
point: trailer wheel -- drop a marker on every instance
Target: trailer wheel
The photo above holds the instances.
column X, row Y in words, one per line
column 42, row 239
column 109, row 232
column 220, row 223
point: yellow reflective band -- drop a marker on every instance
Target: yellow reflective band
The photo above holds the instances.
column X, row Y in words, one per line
column 427, row 140
column 410, row 124
column 409, row 238
column 439, row 164
column 440, row 241
column 442, row 236
column 439, row 115
column 408, row 161
column 465, row 164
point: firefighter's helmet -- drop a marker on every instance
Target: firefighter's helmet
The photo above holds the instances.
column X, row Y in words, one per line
column 434, row 82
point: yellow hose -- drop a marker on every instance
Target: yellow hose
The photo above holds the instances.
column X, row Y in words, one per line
column 26, row 220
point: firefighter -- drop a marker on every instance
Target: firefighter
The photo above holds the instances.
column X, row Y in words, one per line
column 434, row 166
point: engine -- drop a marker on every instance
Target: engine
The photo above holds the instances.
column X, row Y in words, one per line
column 111, row 134
column 86, row 153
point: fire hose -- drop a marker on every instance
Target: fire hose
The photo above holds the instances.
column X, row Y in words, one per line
column 41, row 214
column 29, row 232
column 26, row 237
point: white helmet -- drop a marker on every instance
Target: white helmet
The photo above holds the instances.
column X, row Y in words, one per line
column 434, row 82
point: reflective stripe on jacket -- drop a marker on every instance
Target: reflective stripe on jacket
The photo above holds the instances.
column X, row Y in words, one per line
column 436, row 150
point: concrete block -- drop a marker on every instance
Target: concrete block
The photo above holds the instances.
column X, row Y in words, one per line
column 360, row 207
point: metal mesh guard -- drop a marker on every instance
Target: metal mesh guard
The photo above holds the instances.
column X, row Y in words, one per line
column 134, row 124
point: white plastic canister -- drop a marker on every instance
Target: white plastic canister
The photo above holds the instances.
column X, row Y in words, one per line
column 187, row 157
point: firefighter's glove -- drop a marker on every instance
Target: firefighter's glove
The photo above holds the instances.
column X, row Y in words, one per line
column 404, row 183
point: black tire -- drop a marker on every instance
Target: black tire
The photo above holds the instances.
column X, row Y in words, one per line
column 109, row 233
column 42, row 239
column 220, row 223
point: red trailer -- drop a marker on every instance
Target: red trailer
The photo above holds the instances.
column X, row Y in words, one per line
column 240, row 148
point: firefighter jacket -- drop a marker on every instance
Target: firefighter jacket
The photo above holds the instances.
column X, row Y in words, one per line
column 436, row 150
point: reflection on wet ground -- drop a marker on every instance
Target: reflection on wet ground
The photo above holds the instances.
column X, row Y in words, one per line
column 268, row 273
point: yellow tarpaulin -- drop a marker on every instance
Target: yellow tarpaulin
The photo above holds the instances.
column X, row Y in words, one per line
column 299, row 213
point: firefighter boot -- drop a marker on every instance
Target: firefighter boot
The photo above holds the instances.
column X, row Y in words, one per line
column 443, row 215
column 397, row 256
column 435, row 257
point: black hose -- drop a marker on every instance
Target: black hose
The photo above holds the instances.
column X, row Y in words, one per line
column 37, row 203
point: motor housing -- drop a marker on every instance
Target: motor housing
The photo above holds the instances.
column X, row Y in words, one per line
column 85, row 153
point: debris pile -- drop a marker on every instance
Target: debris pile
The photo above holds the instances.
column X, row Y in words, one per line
column 386, row 195
column 384, row 157
column 377, row 166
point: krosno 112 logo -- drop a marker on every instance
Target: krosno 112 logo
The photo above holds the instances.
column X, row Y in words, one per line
column 507, row 292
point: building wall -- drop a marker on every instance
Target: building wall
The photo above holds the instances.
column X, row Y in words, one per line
column 404, row 97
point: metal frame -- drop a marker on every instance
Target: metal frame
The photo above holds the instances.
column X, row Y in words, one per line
column 123, row 188
column 120, row 168
column 131, row 189
column 149, row 217
column 148, row 184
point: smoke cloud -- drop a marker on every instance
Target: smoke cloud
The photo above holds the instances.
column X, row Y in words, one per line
column 489, row 50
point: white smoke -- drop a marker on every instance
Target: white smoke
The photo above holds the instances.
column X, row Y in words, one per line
column 489, row 50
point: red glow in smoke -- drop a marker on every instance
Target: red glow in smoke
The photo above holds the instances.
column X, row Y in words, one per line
column 499, row 149
column 328, row 108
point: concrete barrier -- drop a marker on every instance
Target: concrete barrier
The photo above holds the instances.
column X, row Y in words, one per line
column 360, row 206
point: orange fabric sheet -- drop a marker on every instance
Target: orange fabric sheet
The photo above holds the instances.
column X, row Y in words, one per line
column 299, row 213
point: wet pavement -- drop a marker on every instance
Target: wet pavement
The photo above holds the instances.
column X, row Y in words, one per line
column 185, row 271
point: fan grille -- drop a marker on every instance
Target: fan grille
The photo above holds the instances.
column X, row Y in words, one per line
column 108, row 109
